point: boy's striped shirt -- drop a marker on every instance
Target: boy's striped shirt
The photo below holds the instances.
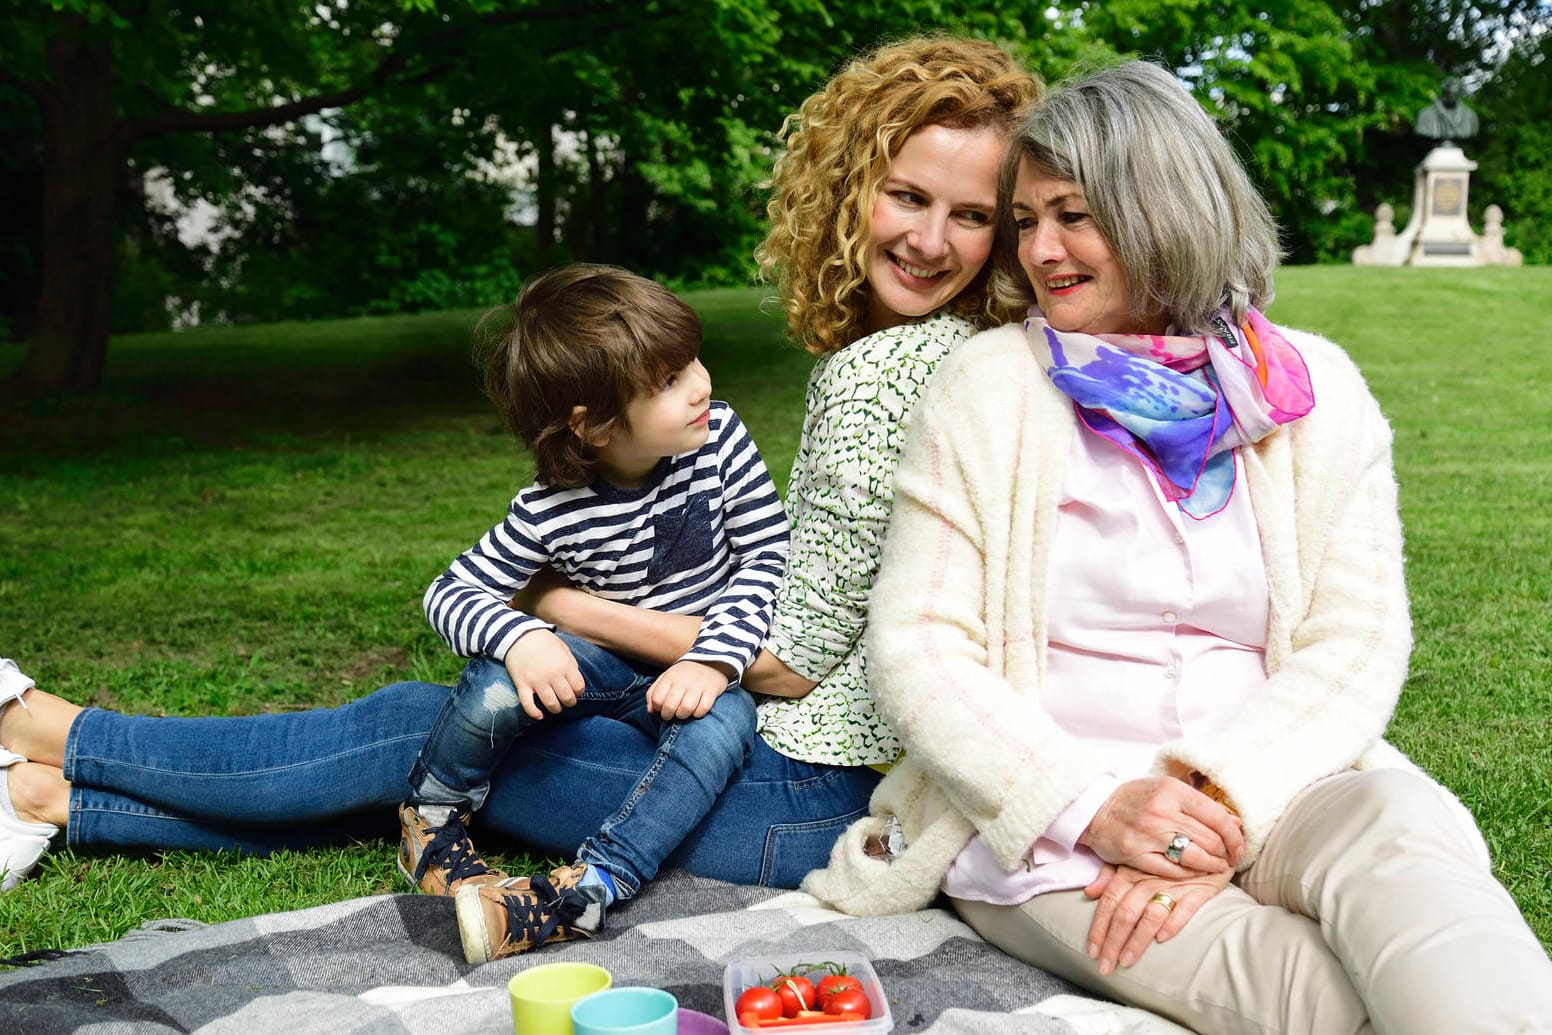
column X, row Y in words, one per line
column 706, row 535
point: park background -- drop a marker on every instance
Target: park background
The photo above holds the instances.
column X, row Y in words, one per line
column 171, row 161
column 241, row 514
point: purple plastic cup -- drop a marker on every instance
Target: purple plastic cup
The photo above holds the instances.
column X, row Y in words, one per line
column 693, row 1022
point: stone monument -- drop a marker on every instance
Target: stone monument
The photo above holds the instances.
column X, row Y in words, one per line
column 1438, row 232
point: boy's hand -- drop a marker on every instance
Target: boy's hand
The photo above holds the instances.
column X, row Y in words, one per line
column 687, row 689
column 545, row 673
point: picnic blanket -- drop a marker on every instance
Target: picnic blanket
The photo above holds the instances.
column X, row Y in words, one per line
column 392, row 963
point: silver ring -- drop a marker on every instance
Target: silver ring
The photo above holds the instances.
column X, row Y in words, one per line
column 1176, row 846
column 1167, row 901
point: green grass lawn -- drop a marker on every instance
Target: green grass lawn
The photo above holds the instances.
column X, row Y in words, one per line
column 245, row 519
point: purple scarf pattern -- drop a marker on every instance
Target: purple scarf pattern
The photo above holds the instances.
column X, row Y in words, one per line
column 1180, row 404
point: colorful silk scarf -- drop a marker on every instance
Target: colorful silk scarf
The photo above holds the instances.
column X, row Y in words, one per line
column 1180, row 404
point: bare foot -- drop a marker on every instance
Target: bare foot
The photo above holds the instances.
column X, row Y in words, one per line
column 39, row 793
column 38, row 730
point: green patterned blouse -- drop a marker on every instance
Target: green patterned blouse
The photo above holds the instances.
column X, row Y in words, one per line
column 838, row 501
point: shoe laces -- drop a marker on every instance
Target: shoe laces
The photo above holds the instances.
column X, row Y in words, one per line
column 451, row 851
column 538, row 913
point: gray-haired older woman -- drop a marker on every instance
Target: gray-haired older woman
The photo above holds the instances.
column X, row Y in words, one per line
column 1141, row 624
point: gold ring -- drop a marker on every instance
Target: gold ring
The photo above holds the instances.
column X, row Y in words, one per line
column 1167, row 901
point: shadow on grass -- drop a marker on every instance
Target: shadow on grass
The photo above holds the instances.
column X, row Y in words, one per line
column 241, row 386
column 220, row 387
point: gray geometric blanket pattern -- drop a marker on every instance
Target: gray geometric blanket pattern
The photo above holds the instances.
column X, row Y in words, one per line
column 392, row 963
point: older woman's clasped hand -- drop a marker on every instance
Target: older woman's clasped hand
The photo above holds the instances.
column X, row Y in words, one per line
column 1136, row 909
column 1138, row 823
column 1144, row 894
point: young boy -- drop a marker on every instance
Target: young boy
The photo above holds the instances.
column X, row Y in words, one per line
column 646, row 492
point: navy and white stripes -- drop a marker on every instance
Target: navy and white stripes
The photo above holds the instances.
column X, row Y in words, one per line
column 706, row 535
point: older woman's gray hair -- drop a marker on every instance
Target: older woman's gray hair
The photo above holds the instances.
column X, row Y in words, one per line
column 1189, row 230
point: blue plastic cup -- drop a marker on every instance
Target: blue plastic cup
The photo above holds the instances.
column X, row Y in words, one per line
column 626, row 1011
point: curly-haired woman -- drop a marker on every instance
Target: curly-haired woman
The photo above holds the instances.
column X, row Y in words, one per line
column 882, row 222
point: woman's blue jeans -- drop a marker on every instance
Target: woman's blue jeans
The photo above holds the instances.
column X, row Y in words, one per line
column 261, row 783
column 483, row 721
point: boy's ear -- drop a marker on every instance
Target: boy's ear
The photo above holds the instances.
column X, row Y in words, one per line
column 579, row 428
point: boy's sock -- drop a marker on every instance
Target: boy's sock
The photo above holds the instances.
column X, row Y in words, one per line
column 596, row 881
column 435, row 815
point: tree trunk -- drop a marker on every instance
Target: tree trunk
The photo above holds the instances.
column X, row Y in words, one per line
column 635, row 249
column 82, row 152
column 544, row 217
column 595, row 193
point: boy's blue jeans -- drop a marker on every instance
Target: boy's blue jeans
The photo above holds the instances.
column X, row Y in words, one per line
column 482, row 720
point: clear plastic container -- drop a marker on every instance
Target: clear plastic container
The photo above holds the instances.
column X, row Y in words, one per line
column 762, row 970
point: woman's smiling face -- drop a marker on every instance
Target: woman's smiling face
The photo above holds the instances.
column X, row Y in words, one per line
column 1078, row 282
column 933, row 223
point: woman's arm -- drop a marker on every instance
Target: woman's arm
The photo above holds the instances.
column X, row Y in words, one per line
column 839, row 496
column 768, row 675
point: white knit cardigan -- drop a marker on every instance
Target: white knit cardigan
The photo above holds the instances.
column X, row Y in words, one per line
column 958, row 622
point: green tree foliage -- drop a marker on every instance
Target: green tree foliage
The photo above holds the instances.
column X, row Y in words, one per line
column 1293, row 86
column 671, row 106
column 379, row 207
column 119, row 87
column 349, row 147
column 1515, row 163
column 1414, row 45
column 1319, row 95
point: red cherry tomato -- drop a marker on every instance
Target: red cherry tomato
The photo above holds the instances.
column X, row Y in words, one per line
column 797, row 994
column 833, row 983
column 763, row 1002
column 849, row 1000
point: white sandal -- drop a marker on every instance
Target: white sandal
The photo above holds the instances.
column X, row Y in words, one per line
column 22, row 843
column 13, row 683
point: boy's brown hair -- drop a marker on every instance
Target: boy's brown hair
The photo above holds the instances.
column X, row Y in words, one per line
column 581, row 335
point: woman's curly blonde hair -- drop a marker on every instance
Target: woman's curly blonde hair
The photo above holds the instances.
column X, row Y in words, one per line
column 838, row 148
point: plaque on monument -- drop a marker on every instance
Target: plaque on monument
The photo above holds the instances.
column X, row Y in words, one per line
column 1449, row 195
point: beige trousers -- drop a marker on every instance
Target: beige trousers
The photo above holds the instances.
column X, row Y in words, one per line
column 1372, row 908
